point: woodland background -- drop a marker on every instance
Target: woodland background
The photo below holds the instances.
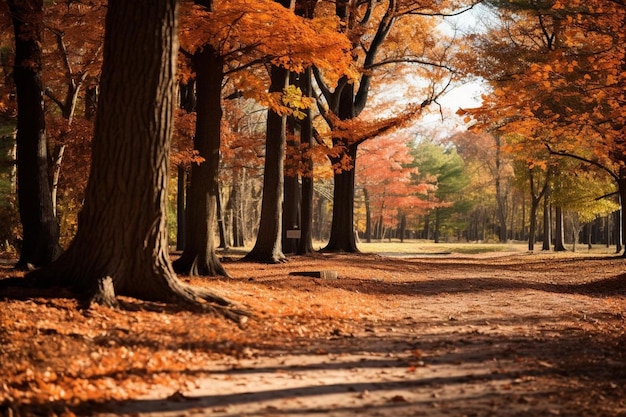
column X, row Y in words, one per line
column 551, row 72
column 140, row 137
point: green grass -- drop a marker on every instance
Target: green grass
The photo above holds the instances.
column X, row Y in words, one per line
column 424, row 247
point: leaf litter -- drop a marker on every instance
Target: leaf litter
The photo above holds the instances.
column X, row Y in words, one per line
column 509, row 336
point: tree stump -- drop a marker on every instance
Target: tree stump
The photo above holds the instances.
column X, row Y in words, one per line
column 325, row 274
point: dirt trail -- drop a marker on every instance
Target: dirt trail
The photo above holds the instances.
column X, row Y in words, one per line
column 513, row 335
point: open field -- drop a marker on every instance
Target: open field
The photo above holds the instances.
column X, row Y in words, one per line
column 504, row 333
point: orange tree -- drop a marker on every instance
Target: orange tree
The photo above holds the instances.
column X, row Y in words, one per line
column 388, row 34
column 385, row 177
column 233, row 36
column 557, row 70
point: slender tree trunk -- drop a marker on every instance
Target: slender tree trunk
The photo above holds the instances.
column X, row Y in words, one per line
column 91, row 102
column 180, row 207
column 368, row 217
column 621, row 189
column 559, row 242
column 221, row 222
column 547, row 220
column 305, row 245
column 437, row 222
column 291, row 190
column 40, row 244
column 618, row 231
column 234, row 207
column 199, row 257
column 500, row 196
column 532, row 228
column 267, row 248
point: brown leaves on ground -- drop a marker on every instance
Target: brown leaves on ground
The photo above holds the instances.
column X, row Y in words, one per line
column 555, row 323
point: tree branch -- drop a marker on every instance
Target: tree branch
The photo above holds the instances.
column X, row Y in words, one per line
column 582, row 159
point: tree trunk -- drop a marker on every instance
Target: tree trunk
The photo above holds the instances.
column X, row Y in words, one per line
column 305, row 245
column 267, row 248
column 180, row 207
column 368, row 217
column 221, row 222
column 532, row 228
column 291, row 191
column 199, row 257
column 40, row 244
column 618, row 231
column 621, row 189
column 342, row 226
column 121, row 243
column 402, row 228
column 500, row 198
column 559, row 238
column 547, row 220
column 234, row 207
column 437, row 222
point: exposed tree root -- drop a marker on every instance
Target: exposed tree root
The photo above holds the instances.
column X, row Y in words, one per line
column 200, row 299
column 196, row 267
column 265, row 258
column 104, row 293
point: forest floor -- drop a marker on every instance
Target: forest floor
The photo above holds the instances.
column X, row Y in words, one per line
column 488, row 334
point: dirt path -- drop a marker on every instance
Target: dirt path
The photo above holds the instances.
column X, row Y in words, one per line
column 515, row 335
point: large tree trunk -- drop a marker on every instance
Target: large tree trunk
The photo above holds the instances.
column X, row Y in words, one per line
column 40, row 244
column 342, row 227
column 267, row 248
column 199, row 257
column 121, row 243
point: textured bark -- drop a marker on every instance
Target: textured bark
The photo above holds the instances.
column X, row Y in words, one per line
column 181, row 185
column 368, row 216
column 267, row 248
column 291, row 191
column 559, row 233
column 547, row 220
column 121, row 244
column 342, row 227
column 199, row 257
column 621, row 189
column 40, row 228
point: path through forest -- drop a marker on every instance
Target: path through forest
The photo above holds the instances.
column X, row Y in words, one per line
column 481, row 335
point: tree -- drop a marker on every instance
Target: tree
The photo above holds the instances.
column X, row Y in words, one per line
column 40, row 244
column 267, row 247
column 386, row 176
column 348, row 100
column 121, row 243
column 488, row 150
column 558, row 74
column 199, row 257
column 228, row 30
column 442, row 167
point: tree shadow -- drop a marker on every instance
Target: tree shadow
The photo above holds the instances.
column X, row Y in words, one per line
column 584, row 368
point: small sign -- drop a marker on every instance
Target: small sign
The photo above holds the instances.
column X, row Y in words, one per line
column 293, row 234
